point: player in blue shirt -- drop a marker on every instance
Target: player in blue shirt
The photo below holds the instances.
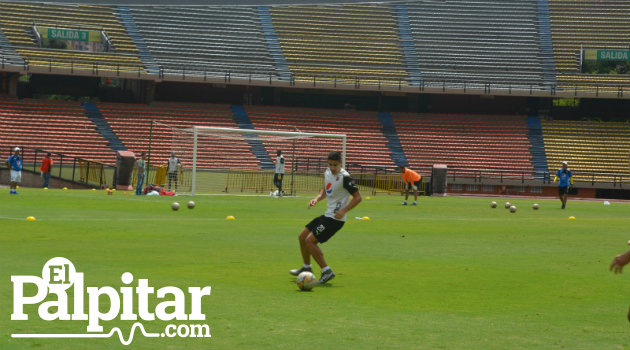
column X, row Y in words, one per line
column 14, row 163
column 566, row 181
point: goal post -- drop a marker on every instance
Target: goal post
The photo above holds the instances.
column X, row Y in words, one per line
column 211, row 152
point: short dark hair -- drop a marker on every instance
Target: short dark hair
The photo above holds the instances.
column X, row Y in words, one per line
column 48, row 154
column 334, row 155
column 279, row 152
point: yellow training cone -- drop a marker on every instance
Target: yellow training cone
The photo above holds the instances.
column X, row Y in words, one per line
column 230, row 217
column 365, row 218
column 571, row 217
column 30, row 218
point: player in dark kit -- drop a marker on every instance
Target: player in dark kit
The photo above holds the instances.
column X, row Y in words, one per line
column 337, row 185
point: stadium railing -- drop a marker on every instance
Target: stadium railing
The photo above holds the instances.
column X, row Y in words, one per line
column 73, row 169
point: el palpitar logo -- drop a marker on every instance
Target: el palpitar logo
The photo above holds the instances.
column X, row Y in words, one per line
column 59, row 275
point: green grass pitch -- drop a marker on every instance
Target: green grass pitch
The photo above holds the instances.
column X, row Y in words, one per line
column 451, row 273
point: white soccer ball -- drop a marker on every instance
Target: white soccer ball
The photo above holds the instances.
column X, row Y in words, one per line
column 175, row 206
column 507, row 205
column 191, row 204
column 512, row 209
column 306, row 280
column 493, row 204
column 535, row 206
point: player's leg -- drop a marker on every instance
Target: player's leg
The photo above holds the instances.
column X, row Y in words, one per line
column 564, row 199
column 406, row 194
column 415, row 193
column 280, row 183
column 315, row 251
column 170, row 178
column 306, row 256
column 13, row 183
column 175, row 178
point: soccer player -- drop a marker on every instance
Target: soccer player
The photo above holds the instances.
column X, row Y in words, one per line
column 277, row 177
column 46, row 168
column 15, row 164
column 173, row 165
column 141, row 171
column 566, row 181
column 412, row 182
column 337, row 185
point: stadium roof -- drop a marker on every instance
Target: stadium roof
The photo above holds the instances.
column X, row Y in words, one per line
column 205, row 2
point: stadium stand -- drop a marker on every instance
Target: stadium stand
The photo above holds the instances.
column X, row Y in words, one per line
column 484, row 142
column 588, row 25
column 132, row 124
column 59, row 127
column 340, row 43
column 216, row 40
column 366, row 145
column 599, row 147
column 17, row 19
column 481, row 42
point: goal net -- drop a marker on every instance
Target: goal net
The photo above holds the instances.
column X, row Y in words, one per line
column 217, row 159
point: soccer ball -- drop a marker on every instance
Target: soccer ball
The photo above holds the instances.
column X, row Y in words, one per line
column 493, row 204
column 175, row 206
column 507, row 205
column 535, row 206
column 191, row 205
column 512, row 209
column 306, row 280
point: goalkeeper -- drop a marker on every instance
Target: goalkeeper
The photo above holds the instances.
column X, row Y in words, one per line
column 566, row 181
column 277, row 177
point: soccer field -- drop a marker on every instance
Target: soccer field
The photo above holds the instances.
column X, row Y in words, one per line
column 451, row 273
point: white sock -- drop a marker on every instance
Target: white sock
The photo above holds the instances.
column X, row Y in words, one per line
column 324, row 269
column 309, row 266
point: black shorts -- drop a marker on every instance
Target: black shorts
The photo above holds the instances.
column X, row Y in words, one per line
column 277, row 178
column 563, row 190
column 409, row 185
column 324, row 227
column 172, row 176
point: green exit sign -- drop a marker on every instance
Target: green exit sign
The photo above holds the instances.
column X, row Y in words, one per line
column 613, row 55
column 68, row 34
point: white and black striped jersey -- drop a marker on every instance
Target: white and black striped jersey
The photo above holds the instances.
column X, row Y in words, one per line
column 338, row 187
column 280, row 165
column 172, row 164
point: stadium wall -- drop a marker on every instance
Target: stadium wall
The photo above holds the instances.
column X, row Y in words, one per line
column 32, row 179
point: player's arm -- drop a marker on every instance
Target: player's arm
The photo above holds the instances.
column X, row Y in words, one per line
column 352, row 188
column 320, row 196
column 356, row 199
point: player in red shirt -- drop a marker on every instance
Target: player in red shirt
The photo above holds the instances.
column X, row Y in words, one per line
column 46, row 168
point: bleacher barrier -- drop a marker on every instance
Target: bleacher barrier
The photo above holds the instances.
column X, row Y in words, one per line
column 91, row 171
column 156, row 175
column 261, row 181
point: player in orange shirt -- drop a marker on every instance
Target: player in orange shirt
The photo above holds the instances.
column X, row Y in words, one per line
column 412, row 181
